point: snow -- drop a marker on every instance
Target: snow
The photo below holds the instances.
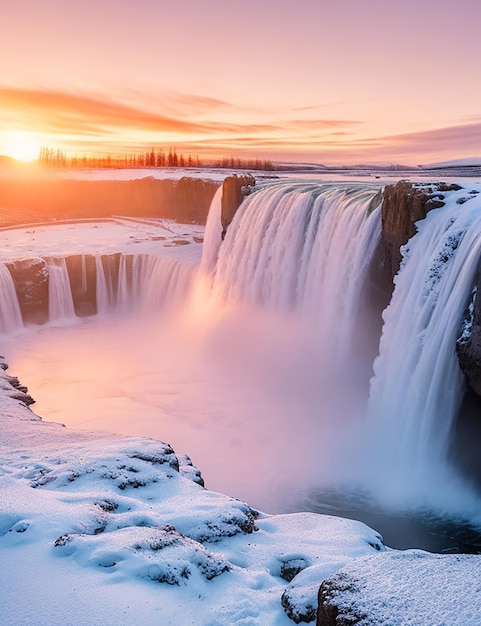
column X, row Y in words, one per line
column 466, row 162
column 408, row 589
column 96, row 528
column 121, row 234
column 162, row 173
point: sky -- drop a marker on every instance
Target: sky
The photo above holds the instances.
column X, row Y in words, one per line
column 345, row 82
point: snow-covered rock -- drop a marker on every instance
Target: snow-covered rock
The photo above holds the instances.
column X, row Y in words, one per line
column 404, row 589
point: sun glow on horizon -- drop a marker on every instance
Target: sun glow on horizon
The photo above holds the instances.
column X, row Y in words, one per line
column 20, row 145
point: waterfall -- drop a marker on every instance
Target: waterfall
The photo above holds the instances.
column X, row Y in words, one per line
column 213, row 233
column 418, row 385
column 101, row 284
column 102, row 292
column 167, row 282
column 60, row 301
column 303, row 248
column 306, row 249
column 10, row 315
column 290, row 245
column 289, row 314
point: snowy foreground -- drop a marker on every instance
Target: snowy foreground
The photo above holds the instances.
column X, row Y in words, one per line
column 96, row 529
column 99, row 529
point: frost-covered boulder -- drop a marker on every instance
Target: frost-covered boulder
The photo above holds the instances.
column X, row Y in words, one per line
column 412, row 588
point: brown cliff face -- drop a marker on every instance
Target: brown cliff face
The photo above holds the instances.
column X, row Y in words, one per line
column 402, row 206
column 46, row 199
column 234, row 188
column 30, row 277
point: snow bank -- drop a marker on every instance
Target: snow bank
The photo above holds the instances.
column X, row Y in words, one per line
column 97, row 529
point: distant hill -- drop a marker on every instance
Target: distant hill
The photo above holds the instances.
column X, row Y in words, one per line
column 468, row 162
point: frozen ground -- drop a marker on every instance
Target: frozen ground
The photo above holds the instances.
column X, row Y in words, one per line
column 122, row 234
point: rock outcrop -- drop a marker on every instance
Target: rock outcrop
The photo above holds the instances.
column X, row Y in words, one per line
column 234, row 188
column 468, row 346
column 403, row 205
column 30, row 277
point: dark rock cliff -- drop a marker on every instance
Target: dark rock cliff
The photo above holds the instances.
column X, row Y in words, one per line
column 403, row 205
column 30, row 277
column 234, row 188
column 468, row 347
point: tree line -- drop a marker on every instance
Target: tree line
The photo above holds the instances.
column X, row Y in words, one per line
column 155, row 157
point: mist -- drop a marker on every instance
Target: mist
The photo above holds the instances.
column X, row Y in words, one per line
column 242, row 394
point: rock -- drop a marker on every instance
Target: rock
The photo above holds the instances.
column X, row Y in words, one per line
column 190, row 199
column 403, row 205
column 25, row 398
column 48, row 199
column 468, row 346
column 30, row 277
column 234, row 188
column 188, row 470
column 157, row 553
column 403, row 588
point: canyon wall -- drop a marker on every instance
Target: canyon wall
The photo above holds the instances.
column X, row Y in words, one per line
column 45, row 199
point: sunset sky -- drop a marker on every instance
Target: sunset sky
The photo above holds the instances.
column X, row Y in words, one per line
column 344, row 81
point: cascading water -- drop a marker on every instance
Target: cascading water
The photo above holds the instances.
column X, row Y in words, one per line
column 303, row 249
column 102, row 291
column 418, row 385
column 60, row 301
column 111, row 283
column 307, row 249
column 10, row 315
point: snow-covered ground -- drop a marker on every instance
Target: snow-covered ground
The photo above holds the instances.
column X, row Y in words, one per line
column 99, row 529
column 292, row 170
column 122, row 234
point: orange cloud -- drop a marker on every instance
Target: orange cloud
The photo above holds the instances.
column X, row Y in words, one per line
column 465, row 136
column 59, row 111
column 81, row 122
column 83, row 115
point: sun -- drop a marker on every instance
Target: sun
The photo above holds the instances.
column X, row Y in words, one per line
column 20, row 145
